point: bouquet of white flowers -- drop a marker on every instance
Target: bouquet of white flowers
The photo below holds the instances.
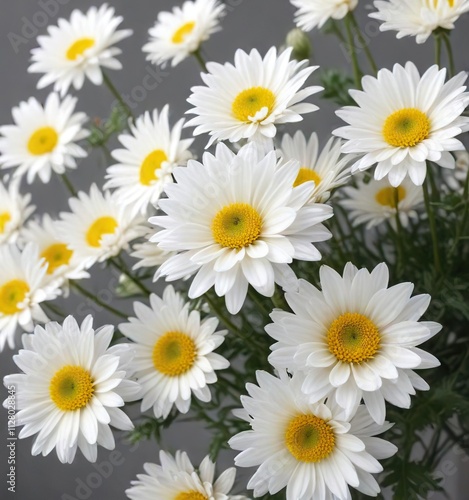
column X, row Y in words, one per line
column 304, row 277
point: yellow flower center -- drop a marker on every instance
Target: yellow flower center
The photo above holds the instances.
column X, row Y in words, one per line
column 78, row 48
column 353, row 338
column 43, row 141
column 309, row 438
column 390, row 196
column 5, row 218
column 237, row 225
column 306, row 175
column 150, row 165
column 190, row 495
column 56, row 255
column 71, row 388
column 406, row 128
column 250, row 101
column 100, row 227
column 174, row 354
column 181, row 33
column 12, row 294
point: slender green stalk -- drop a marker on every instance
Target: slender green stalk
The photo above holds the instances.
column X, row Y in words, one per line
column 198, row 55
column 120, row 266
column 364, row 44
column 68, row 184
column 336, row 30
column 96, row 299
column 399, row 234
column 431, row 219
column 54, row 309
column 449, row 51
column 437, row 37
column 253, row 296
column 464, row 219
column 352, row 51
column 116, row 94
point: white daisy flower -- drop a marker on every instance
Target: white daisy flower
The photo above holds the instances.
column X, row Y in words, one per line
column 327, row 169
column 312, row 449
column 237, row 220
column 403, row 120
column 98, row 226
column 173, row 353
column 62, row 262
column 178, row 34
column 78, row 48
column 71, row 389
column 248, row 100
column 315, row 13
column 151, row 152
column 355, row 339
column 14, row 210
column 376, row 202
column 455, row 179
column 22, row 288
column 418, row 18
column 43, row 138
column 176, row 479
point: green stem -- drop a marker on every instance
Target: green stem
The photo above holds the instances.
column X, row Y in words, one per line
column 364, row 44
column 117, row 95
column 68, row 184
column 462, row 225
column 197, row 54
column 400, row 234
column 95, row 299
column 437, row 48
column 51, row 307
column 121, row 267
column 253, row 296
column 352, row 52
column 449, row 51
column 431, row 219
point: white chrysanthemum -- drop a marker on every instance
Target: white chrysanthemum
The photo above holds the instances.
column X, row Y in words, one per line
column 376, row 202
column 151, row 152
column 63, row 263
column 418, row 18
column 176, row 479
column 355, row 339
column 78, row 48
column 22, row 288
column 456, row 179
column 237, row 220
column 43, row 138
column 403, row 120
column 248, row 100
column 98, row 226
column 178, row 34
column 173, row 353
column 327, row 169
column 14, row 210
column 312, row 449
column 315, row 13
column 71, row 389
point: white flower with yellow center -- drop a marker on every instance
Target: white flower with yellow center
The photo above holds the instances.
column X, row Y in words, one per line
column 312, row 449
column 98, row 226
column 14, row 210
column 176, row 479
column 248, row 100
column 178, row 34
column 355, row 339
column 78, row 48
column 71, row 389
column 237, row 220
column 43, row 138
column 315, row 13
column 174, row 355
column 377, row 201
column 418, row 18
column 327, row 169
column 62, row 262
column 404, row 120
column 23, row 286
column 151, row 152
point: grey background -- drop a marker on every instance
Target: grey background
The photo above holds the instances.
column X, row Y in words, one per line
column 248, row 24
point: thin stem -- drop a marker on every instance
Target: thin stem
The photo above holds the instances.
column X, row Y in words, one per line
column 51, row 307
column 197, row 54
column 462, row 225
column 68, row 184
column 437, row 48
column 116, row 94
column 400, row 233
column 352, row 52
column 253, row 296
column 96, row 299
column 364, row 44
column 431, row 219
column 336, row 30
column 121, row 267
column 449, row 51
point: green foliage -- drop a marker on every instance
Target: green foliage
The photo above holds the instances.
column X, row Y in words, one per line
column 102, row 131
column 336, row 85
